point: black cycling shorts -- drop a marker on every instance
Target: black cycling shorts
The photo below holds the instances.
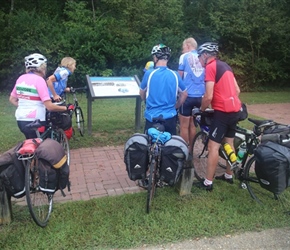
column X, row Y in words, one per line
column 189, row 104
column 223, row 125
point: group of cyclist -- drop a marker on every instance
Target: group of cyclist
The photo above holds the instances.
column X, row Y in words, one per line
column 32, row 95
column 202, row 81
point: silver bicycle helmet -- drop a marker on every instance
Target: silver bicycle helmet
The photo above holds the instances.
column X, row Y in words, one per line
column 34, row 60
column 161, row 51
column 210, row 48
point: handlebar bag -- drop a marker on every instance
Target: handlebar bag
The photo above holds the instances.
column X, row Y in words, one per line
column 136, row 156
column 174, row 154
column 272, row 166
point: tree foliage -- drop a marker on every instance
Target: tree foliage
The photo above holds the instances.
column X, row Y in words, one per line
column 115, row 37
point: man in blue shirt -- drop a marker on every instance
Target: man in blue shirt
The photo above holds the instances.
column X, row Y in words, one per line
column 160, row 88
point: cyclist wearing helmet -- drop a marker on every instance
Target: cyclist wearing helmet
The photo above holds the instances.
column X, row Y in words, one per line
column 192, row 73
column 30, row 95
column 57, row 83
column 160, row 87
column 221, row 92
column 149, row 65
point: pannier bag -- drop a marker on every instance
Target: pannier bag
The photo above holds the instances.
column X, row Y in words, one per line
column 174, row 154
column 53, row 167
column 136, row 156
column 279, row 134
column 272, row 166
column 59, row 119
column 12, row 173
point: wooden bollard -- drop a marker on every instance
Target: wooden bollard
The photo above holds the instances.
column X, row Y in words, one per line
column 186, row 179
column 5, row 206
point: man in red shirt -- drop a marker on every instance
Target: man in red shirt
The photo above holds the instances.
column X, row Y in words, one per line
column 221, row 92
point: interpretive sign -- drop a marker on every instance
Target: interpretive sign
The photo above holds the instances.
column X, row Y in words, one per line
column 114, row 86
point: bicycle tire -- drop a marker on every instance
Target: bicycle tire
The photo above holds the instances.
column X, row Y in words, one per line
column 39, row 203
column 258, row 193
column 60, row 136
column 199, row 155
column 80, row 120
column 151, row 185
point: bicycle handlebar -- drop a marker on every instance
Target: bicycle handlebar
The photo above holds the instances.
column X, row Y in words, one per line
column 74, row 90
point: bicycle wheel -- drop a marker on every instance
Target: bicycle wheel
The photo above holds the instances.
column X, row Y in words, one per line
column 151, row 185
column 258, row 193
column 60, row 136
column 199, row 155
column 39, row 203
column 80, row 120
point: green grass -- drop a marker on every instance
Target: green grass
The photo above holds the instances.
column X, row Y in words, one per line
column 121, row 221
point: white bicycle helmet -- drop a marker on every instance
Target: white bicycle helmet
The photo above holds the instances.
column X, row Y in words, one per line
column 210, row 48
column 34, row 60
column 161, row 51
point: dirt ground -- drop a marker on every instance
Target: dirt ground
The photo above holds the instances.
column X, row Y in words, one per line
column 268, row 239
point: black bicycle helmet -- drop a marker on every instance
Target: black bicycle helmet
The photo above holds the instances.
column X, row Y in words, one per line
column 209, row 47
column 161, row 51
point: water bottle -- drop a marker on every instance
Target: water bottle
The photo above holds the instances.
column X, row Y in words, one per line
column 241, row 152
column 230, row 153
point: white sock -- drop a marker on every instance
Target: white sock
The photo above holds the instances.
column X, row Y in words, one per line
column 228, row 176
column 207, row 182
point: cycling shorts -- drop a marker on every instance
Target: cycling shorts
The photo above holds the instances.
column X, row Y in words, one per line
column 223, row 125
column 169, row 125
column 189, row 104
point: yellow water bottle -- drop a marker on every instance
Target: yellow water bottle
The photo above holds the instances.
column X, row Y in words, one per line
column 230, row 153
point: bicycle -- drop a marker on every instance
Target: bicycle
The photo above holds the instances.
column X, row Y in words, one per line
column 40, row 203
column 78, row 110
column 244, row 171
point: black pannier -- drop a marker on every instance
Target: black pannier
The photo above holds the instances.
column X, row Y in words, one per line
column 279, row 134
column 136, row 156
column 12, row 173
column 174, row 154
column 272, row 166
column 59, row 119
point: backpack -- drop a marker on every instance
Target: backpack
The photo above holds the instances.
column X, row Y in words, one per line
column 174, row 154
column 279, row 134
column 12, row 173
column 136, row 156
column 272, row 166
column 52, row 165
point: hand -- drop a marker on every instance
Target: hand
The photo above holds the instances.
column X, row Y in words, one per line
column 57, row 98
column 196, row 111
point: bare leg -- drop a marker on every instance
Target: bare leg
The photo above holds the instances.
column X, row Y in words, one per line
column 212, row 161
column 184, row 127
column 192, row 133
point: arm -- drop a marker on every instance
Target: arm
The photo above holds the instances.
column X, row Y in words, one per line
column 237, row 87
column 53, row 107
column 180, row 72
column 14, row 101
column 181, row 99
column 206, row 100
column 50, row 80
column 143, row 94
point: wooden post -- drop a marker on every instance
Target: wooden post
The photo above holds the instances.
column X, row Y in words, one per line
column 5, row 206
column 186, row 180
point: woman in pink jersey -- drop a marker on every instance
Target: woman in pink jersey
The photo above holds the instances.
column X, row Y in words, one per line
column 30, row 95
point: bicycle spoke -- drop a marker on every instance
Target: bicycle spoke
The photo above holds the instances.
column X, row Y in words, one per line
column 39, row 203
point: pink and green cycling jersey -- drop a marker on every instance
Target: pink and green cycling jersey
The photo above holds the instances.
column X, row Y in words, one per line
column 31, row 92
